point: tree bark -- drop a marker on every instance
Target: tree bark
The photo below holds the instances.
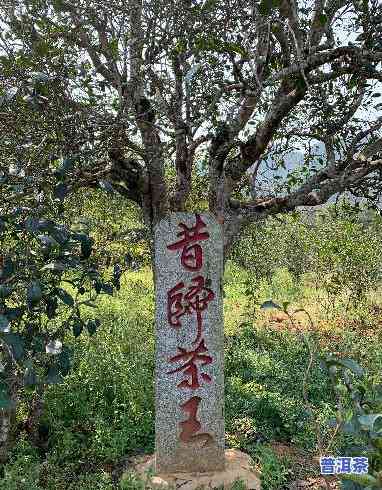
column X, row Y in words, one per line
column 6, row 419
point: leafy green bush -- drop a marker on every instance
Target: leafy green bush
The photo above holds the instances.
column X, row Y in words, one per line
column 340, row 249
column 264, row 376
column 275, row 471
column 359, row 416
column 348, row 257
column 105, row 408
column 271, row 245
column 115, row 224
column 23, row 470
column 40, row 256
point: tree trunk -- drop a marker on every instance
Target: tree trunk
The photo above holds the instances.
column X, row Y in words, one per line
column 6, row 418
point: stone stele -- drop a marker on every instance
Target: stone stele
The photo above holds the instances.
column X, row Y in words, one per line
column 189, row 405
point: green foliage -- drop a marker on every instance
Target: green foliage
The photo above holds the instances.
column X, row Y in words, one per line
column 47, row 280
column 23, row 470
column 361, row 418
column 274, row 470
column 264, row 373
column 115, row 225
column 131, row 481
column 104, row 409
column 268, row 246
column 340, row 250
column 39, row 254
column 348, row 256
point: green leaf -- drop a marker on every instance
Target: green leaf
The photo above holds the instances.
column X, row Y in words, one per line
column 361, row 479
column 77, row 328
column 42, row 48
column 47, row 241
column 14, row 313
column 51, row 307
column 267, row 305
column 92, row 326
column 4, row 324
column 285, row 305
column 8, row 268
column 34, row 293
column 106, row 186
column 5, row 400
column 53, row 376
column 348, row 428
column 45, row 224
column 40, row 77
column 60, row 234
column 331, row 362
column 300, row 84
column 38, row 344
column 60, row 191
column 65, row 297
column 30, row 377
column 352, row 365
column 67, row 164
column 113, row 46
column 31, row 224
column 89, row 303
column 266, row 6
column 235, row 48
column 64, row 362
column 323, row 19
column 5, row 291
column 353, row 81
column 86, row 248
column 369, row 420
column 108, row 289
column 55, row 266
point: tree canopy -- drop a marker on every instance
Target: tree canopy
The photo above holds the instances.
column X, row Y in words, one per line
column 128, row 92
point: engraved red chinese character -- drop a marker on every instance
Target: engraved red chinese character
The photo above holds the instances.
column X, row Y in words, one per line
column 192, row 425
column 190, row 367
column 196, row 299
column 192, row 254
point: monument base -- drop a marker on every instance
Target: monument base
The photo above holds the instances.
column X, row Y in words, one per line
column 237, row 467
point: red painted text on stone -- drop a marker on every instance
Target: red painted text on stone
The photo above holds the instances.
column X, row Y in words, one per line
column 192, row 253
column 196, row 300
column 191, row 426
column 191, row 360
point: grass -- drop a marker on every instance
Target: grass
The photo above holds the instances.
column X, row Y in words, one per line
column 103, row 413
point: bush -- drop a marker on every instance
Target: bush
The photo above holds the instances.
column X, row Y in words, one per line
column 340, row 249
column 264, row 374
column 105, row 408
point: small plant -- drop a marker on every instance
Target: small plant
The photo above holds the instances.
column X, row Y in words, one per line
column 274, row 470
column 133, row 481
column 361, row 419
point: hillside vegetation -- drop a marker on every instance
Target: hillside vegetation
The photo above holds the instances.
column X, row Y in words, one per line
column 280, row 400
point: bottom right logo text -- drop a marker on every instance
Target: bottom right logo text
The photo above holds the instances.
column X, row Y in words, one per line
column 334, row 466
